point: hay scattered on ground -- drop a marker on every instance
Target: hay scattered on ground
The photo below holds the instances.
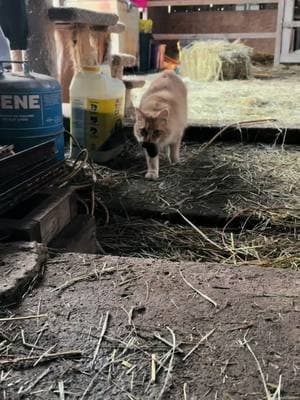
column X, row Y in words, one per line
column 273, row 173
column 272, row 178
column 215, row 60
column 103, row 361
column 222, row 103
column 268, row 192
column 156, row 239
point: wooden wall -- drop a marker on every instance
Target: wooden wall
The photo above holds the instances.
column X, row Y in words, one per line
column 218, row 22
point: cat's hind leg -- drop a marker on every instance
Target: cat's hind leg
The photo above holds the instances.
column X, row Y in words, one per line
column 175, row 151
column 168, row 153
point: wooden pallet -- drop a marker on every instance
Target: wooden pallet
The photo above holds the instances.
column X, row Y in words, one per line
column 40, row 218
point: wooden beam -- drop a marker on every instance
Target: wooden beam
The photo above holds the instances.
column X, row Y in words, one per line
column 75, row 15
column 292, row 24
column 118, row 28
column 280, row 13
column 41, row 44
column 214, row 36
column 162, row 3
column 287, row 32
column 291, row 58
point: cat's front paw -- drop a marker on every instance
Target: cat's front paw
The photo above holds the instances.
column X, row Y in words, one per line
column 152, row 175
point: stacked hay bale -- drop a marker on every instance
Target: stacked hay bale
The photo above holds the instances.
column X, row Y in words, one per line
column 215, row 60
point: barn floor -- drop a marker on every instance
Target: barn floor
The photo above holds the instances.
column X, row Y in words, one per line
column 271, row 93
column 241, row 196
column 98, row 322
column 101, row 327
column 196, row 295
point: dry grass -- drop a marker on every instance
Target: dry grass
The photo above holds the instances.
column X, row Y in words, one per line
column 270, row 177
column 105, row 362
column 273, row 173
column 222, row 103
column 268, row 192
column 175, row 242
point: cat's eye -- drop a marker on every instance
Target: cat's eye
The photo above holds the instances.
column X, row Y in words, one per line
column 144, row 132
column 156, row 133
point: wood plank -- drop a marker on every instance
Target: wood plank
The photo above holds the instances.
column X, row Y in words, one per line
column 118, row 28
column 55, row 215
column 291, row 24
column 129, row 39
column 162, row 3
column 287, row 32
column 196, row 36
column 133, row 83
column 291, row 58
column 46, row 220
column 263, row 130
column 278, row 42
column 292, row 133
column 74, row 15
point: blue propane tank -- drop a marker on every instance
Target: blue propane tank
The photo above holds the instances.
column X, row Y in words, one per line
column 30, row 110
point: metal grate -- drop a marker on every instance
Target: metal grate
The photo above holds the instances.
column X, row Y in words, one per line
column 25, row 173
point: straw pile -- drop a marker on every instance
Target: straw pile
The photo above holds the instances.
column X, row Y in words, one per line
column 215, row 60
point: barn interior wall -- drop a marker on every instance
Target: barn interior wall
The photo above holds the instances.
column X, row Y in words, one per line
column 217, row 22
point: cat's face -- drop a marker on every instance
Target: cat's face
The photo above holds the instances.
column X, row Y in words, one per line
column 151, row 129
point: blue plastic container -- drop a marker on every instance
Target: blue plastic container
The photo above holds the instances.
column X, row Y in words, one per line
column 30, row 111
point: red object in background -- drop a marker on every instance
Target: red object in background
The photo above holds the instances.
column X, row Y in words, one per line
column 140, row 3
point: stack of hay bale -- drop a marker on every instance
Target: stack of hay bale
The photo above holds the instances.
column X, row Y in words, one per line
column 215, row 60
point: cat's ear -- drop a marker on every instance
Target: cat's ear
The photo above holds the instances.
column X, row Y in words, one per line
column 163, row 114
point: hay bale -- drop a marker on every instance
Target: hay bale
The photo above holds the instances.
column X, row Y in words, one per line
column 215, row 60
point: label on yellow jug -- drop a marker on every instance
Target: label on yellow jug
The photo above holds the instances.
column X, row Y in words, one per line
column 102, row 118
column 95, row 120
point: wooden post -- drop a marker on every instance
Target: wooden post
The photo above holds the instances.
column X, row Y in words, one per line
column 41, row 43
column 278, row 40
column 287, row 31
column 65, row 59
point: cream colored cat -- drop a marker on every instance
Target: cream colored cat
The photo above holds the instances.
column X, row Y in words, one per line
column 161, row 119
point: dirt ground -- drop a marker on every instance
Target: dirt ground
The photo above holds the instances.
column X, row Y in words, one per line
column 108, row 327
column 104, row 327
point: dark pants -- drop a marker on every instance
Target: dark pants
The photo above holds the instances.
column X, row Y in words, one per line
column 13, row 21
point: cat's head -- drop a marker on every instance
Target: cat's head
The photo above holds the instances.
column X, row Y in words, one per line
column 151, row 128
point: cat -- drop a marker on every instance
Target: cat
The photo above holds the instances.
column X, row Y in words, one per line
column 161, row 119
